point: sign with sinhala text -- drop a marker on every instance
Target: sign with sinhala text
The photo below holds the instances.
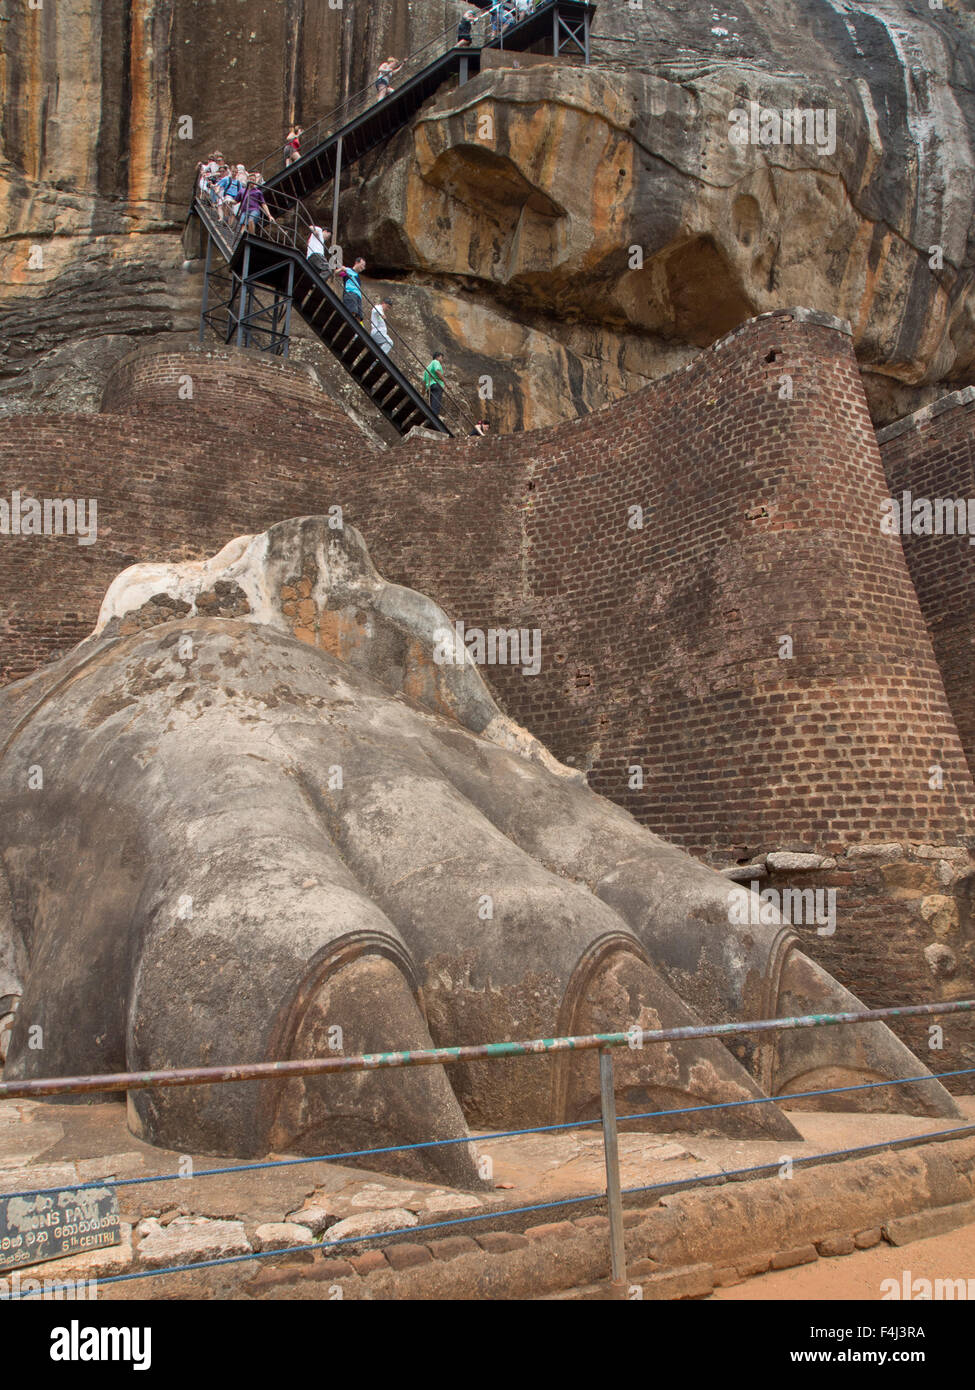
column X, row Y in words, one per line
column 54, row 1224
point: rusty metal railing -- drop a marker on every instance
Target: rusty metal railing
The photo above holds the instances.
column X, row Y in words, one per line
column 632, row 1038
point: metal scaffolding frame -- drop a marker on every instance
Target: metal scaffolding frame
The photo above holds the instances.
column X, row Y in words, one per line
column 248, row 312
column 570, row 35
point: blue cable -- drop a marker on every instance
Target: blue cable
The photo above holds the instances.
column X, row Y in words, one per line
column 670, row 1185
column 476, row 1138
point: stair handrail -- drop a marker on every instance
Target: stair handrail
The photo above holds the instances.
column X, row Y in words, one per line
column 360, row 101
column 292, row 229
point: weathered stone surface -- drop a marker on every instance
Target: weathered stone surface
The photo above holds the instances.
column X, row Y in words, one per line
column 834, row 1245
column 371, row 1223
column 782, row 861
column 376, row 1198
column 315, row 1219
column 523, row 241
column 874, row 854
column 41, row 1175
column 407, row 1256
column 368, row 1263
column 303, row 799
column 443, row 1204
column 940, row 913
column 125, row 1165
column 935, row 1222
column 452, row 1246
column 551, row 1230
column 500, row 1242
column 281, row 1235
column 941, row 960
column 189, row 1239
column 953, row 853
column 693, row 1281
column 866, row 1240
column 798, row 1255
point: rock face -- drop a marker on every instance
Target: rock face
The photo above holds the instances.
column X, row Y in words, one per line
column 517, row 231
column 278, row 819
column 616, row 198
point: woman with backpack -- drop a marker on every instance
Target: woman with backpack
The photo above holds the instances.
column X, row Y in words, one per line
column 229, row 189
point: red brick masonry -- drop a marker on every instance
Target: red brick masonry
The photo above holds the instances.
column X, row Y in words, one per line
column 761, row 487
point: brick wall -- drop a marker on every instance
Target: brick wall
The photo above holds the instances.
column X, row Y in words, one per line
column 931, row 454
column 660, row 644
column 245, row 392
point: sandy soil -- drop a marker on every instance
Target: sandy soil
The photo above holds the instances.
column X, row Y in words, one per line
column 862, row 1274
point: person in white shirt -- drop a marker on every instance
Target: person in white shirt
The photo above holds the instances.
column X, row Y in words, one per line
column 316, row 249
column 378, row 327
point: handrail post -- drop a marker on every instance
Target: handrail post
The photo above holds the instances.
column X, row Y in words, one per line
column 335, row 194
column 206, row 283
column 611, row 1151
column 245, row 293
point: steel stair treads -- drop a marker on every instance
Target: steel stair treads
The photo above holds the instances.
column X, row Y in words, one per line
column 376, row 369
column 319, row 305
column 400, row 413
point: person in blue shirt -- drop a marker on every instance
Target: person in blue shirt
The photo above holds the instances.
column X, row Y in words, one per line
column 229, row 189
column 352, row 291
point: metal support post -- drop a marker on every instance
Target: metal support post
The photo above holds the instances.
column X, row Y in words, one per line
column 335, row 194
column 206, row 285
column 614, row 1196
column 585, row 36
column 245, row 296
column 287, row 308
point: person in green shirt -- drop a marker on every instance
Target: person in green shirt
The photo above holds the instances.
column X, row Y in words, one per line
column 433, row 381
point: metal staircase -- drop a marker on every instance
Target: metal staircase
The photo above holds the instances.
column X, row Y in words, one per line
column 267, row 276
column 265, row 273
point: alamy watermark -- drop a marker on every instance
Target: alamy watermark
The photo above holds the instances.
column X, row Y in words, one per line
column 756, row 124
column 799, row 907
column 920, row 516
column 21, row 1286
column 923, row 1290
column 24, row 515
column 498, row 646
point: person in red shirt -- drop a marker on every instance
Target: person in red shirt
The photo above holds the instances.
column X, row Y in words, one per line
column 292, row 146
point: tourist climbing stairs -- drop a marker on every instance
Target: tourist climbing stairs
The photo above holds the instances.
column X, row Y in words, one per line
column 363, row 122
column 268, row 270
column 270, row 273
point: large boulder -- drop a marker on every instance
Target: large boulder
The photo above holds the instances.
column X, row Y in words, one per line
column 517, row 243
column 618, row 199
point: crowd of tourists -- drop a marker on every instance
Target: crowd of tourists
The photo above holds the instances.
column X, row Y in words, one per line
column 236, row 196
column 497, row 20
